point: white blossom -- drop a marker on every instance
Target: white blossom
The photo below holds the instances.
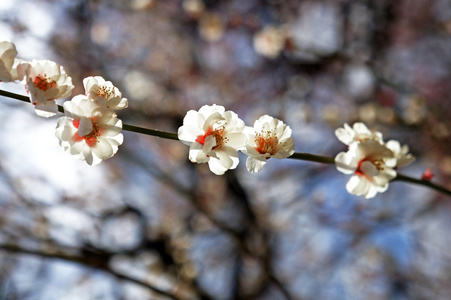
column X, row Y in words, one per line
column 45, row 82
column 268, row 138
column 11, row 68
column 372, row 165
column 358, row 132
column 270, row 41
column 104, row 93
column 214, row 136
column 88, row 131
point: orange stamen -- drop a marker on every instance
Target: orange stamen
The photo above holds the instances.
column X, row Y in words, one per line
column 44, row 83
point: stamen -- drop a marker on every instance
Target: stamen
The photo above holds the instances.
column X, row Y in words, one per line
column 44, row 83
column 266, row 142
column 90, row 138
column 105, row 91
column 218, row 135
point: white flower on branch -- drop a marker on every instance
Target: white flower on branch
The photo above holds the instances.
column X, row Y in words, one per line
column 45, row 82
column 359, row 132
column 11, row 68
column 372, row 165
column 214, row 136
column 88, row 131
column 104, row 93
column 268, row 138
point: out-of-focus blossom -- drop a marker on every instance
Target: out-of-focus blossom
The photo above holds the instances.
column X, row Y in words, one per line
column 359, row 132
column 214, row 136
column 193, row 8
column 11, row 68
column 211, row 27
column 402, row 155
column 88, row 131
column 104, row 93
column 372, row 165
column 268, row 138
column 45, row 82
column 270, row 41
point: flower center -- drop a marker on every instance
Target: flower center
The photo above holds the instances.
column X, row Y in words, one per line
column 266, row 142
column 218, row 134
column 105, row 91
column 43, row 82
column 378, row 163
column 90, row 138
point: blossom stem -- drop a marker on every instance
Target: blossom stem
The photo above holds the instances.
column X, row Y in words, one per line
column 301, row 156
column 153, row 132
column 313, row 157
column 15, row 96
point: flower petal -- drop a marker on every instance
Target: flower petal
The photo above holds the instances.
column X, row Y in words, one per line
column 102, row 148
column 255, row 164
column 46, row 110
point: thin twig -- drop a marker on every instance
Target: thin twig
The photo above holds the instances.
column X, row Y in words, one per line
column 425, row 183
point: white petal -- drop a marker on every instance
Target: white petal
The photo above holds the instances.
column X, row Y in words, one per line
column 85, row 126
column 77, row 148
column 369, row 169
column 196, row 153
column 223, row 159
column 64, row 129
column 216, row 166
column 87, row 154
column 344, row 136
column 286, row 149
column 254, row 164
column 213, row 118
column 358, row 185
column 343, row 162
column 394, row 146
column 232, row 154
column 405, row 160
column 46, row 110
column 236, row 140
column 110, row 131
column 102, row 148
column 122, row 104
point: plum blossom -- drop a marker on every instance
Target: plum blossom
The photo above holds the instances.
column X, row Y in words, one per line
column 45, row 82
column 11, row 68
column 214, row 136
column 268, row 138
column 372, row 165
column 104, row 93
column 358, row 132
column 88, row 131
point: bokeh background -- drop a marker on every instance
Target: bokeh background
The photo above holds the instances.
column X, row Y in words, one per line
column 148, row 224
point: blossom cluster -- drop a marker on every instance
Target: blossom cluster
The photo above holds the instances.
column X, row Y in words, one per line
column 215, row 136
column 90, row 129
column 372, row 162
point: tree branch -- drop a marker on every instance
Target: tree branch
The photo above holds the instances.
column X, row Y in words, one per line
column 300, row 156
